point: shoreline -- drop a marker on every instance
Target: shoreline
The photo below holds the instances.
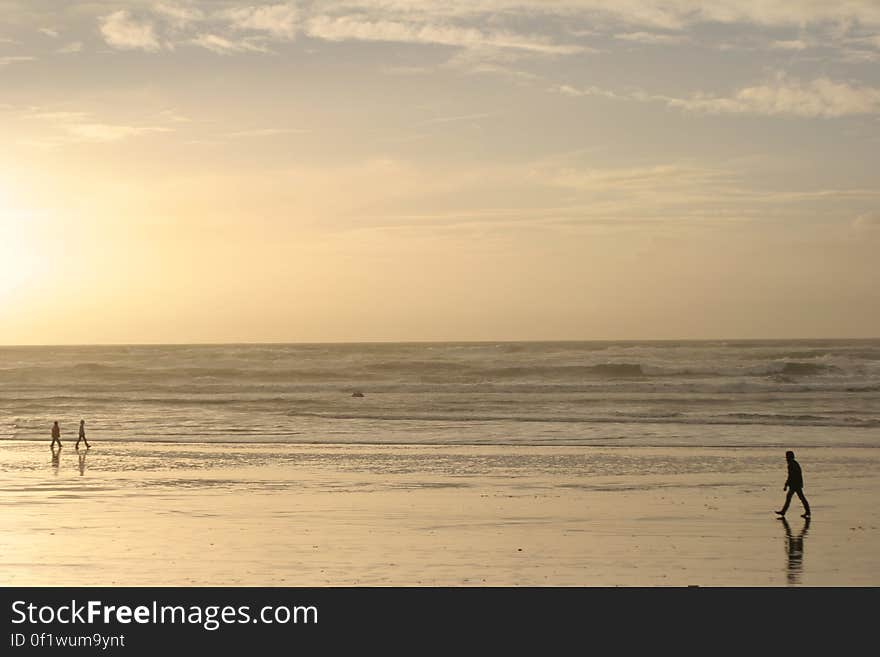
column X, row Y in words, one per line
column 166, row 514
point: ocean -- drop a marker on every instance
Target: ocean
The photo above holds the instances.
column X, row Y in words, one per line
column 696, row 393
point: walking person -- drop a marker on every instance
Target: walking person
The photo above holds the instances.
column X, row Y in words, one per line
column 56, row 435
column 795, row 486
column 82, row 435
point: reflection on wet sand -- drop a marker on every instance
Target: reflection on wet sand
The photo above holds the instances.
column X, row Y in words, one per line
column 56, row 458
column 795, row 547
column 82, row 462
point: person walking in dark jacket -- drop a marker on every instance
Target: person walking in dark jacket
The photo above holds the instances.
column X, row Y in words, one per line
column 56, row 435
column 795, row 485
column 82, row 435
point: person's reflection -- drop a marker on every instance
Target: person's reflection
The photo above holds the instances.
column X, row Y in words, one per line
column 795, row 548
column 82, row 462
column 56, row 455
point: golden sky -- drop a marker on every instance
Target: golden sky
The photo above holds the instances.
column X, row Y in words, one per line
column 438, row 170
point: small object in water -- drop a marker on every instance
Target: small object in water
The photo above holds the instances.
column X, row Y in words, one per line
column 357, row 393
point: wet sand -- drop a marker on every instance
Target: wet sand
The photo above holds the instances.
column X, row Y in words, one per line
column 331, row 515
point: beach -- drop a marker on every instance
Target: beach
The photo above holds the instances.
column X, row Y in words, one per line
column 463, row 464
column 214, row 514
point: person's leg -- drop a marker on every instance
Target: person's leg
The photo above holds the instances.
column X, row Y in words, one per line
column 787, row 501
column 803, row 500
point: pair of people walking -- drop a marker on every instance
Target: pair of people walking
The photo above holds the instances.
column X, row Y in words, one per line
column 56, row 435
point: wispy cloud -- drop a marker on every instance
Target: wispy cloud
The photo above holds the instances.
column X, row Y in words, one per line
column 122, row 31
column 224, row 46
column 154, row 25
column 578, row 92
column 56, row 116
column 656, row 14
column 818, row 98
column 107, row 132
column 14, row 59
column 173, row 116
column 821, row 97
column 74, row 126
column 792, row 44
column 70, row 48
column 488, row 25
column 355, row 28
column 455, row 119
column 279, row 20
column 180, row 17
column 268, row 132
column 652, row 38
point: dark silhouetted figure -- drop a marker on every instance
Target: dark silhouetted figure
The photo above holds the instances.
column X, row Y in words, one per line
column 56, row 435
column 82, row 462
column 794, row 546
column 82, row 435
column 795, row 485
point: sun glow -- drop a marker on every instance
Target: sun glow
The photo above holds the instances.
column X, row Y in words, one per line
column 18, row 257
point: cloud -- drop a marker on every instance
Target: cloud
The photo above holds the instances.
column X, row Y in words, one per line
column 795, row 44
column 821, row 97
column 174, row 117
column 493, row 27
column 49, row 32
column 631, row 180
column 578, row 92
column 652, row 38
column 224, row 46
column 55, row 116
column 121, row 31
column 357, row 29
column 73, row 47
column 661, row 14
column 178, row 16
column 405, row 70
column 782, row 96
column 177, row 24
column 280, row 21
column 105, row 132
column 79, row 126
column 268, row 132
column 455, row 119
column 13, row 59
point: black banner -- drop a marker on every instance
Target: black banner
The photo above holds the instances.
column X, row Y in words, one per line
column 177, row 620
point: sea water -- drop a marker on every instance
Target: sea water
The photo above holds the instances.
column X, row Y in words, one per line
column 712, row 393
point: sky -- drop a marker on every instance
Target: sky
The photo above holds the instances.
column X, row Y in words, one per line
column 371, row 170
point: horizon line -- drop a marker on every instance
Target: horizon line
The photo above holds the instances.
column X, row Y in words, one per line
column 434, row 342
